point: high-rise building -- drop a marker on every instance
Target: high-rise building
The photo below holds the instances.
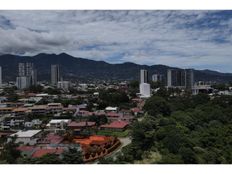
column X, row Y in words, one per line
column 157, row 78
column 180, row 78
column 144, row 87
column 34, row 77
column 21, row 71
column 55, row 74
column 143, row 76
column 27, row 75
column 23, row 82
column 0, row 76
column 189, row 78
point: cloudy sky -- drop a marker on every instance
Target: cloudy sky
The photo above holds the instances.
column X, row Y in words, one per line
column 197, row 39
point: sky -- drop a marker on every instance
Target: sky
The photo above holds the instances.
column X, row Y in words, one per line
column 185, row 39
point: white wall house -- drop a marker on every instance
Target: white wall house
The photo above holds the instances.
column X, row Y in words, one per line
column 26, row 137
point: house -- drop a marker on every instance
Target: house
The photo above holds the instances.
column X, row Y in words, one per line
column 35, row 122
column 136, row 111
column 20, row 111
column 58, row 123
column 114, row 116
column 39, row 109
column 55, row 107
column 51, row 138
column 81, row 125
column 111, row 109
column 115, row 126
column 26, row 137
column 6, row 110
column 6, row 133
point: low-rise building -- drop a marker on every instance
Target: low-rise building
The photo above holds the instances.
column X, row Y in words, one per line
column 26, row 137
column 115, row 126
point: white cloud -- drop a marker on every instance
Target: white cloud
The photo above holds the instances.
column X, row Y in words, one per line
column 147, row 37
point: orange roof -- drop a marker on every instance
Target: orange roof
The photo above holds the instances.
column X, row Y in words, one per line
column 94, row 139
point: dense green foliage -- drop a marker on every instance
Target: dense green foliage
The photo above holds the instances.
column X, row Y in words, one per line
column 112, row 97
column 183, row 129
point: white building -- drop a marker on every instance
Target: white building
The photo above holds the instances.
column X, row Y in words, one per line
column 145, row 90
column 157, row 77
column 143, row 76
column 111, row 109
column 26, row 137
column 58, row 123
column 65, row 85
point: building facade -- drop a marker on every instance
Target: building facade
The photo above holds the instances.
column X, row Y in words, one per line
column 157, row 78
column 143, row 76
column 55, row 74
column 27, row 75
column 180, row 78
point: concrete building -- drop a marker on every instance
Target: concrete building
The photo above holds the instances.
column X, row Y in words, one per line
column 157, row 77
column 180, row 78
column 144, row 87
column 34, row 77
column 143, row 76
column 23, row 82
column 26, row 137
column 27, row 75
column 65, row 85
column 189, row 79
column 145, row 90
column 55, row 74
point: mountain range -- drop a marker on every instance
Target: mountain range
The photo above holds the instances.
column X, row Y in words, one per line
column 75, row 68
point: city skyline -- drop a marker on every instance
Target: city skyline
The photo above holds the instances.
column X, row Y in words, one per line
column 185, row 39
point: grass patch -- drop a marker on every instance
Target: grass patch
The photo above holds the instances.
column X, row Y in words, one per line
column 113, row 133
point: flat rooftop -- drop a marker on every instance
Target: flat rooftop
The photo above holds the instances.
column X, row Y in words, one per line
column 26, row 134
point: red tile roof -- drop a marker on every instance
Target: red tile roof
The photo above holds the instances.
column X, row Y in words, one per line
column 25, row 148
column 135, row 110
column 41, row 152
column 113, row 114
column 81, row 124
column 52, row 138
column 116, row 125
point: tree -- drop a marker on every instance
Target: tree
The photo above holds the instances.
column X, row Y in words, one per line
column 157, row 105
column 10, row 154
column 73, row 156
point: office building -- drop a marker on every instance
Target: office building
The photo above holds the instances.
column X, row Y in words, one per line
column 27, row 75
column 180, row 78
column 157, row 78
column 189, row 78
column 21, row 70
column 55, row 74
column 143, row 76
